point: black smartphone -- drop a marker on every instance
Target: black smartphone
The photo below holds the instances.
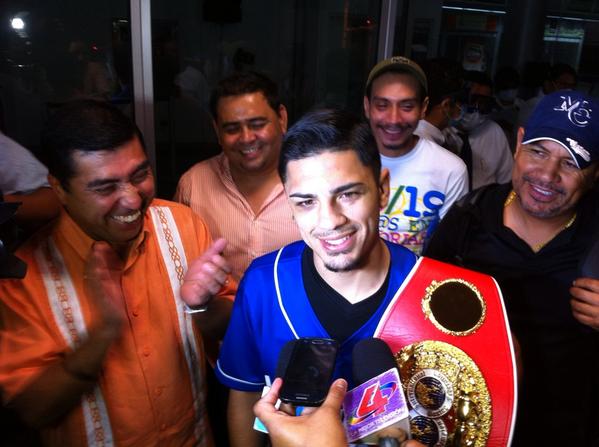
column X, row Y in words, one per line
column 307, row 375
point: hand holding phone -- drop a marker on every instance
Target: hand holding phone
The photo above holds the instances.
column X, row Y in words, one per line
column 307, row 373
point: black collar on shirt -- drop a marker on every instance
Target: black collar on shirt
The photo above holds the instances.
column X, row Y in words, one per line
column 338, row 316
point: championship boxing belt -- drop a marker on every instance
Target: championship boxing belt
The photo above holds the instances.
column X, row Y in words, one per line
column 448, row 329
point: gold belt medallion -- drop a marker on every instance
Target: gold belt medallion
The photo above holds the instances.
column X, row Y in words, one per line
column 449, row 399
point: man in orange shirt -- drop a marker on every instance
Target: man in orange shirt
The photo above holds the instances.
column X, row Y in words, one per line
column 101, row 342
column 239, row 193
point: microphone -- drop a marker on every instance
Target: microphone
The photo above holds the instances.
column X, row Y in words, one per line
column 377, row 407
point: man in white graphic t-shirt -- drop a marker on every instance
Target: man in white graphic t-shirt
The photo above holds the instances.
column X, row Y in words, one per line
column 425, row 178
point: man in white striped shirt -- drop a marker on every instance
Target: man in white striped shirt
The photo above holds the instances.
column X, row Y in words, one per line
column 238, row 193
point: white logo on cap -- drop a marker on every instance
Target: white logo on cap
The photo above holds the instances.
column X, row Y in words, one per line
column 581, row 151
column 401, row 60
column 578, row 114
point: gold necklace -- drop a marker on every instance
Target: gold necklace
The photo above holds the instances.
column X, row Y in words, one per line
column 537, row 247
column 510, row 198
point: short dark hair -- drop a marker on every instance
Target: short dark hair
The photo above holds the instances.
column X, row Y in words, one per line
column 83, row 125
column 560, row 69
column 329, row 130
column 241, row 83
column 478, row 77
column 445, row 80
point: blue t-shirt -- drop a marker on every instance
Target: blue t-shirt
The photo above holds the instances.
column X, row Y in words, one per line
column 271, row 308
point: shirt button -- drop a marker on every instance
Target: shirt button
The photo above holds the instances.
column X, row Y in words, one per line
column 157, row 392
column 163, row 427
column 135, row 311
column 146, row 351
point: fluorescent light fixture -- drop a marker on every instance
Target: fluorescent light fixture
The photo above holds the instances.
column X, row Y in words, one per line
column 574, row 19
column 459, row 8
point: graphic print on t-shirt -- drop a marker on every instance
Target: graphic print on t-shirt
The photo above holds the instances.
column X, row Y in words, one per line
column 411, row 216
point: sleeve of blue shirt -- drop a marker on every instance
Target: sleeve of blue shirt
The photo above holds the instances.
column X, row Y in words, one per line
column 239, row 362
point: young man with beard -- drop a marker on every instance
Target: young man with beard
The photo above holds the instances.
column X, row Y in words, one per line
column 532, row 235
column 102, row 341
column 336, row 283
column 239, row 193
column 425, row 178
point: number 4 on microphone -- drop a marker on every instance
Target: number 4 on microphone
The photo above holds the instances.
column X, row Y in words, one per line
column 373, row 400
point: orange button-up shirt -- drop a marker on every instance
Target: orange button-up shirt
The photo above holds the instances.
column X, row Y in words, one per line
column 208, row 188
column 145, row 380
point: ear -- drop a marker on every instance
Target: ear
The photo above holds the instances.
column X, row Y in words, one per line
column 366, row 107
column 216, row 131
column 57, row 188
column 446, row 104
column 384, row 187
column 519, row 137
column 283, row 118
column 424, row 108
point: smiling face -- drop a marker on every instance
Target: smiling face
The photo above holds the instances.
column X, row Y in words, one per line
column 109, row 193
column 250, row 132
column 336, row 201
column 393, row 110
column 546, row 179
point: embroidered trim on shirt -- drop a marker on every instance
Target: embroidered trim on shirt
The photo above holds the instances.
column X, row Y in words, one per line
column 66, row 309
column 173, row 254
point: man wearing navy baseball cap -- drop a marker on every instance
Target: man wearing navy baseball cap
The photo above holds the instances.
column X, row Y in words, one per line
column 536, row 235
column 566, row 118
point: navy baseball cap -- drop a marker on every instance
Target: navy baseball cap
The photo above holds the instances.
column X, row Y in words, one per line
column 569, row 118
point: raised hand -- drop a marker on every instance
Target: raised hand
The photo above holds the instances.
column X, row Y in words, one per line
column 585, row 301
column 102, row 281
column 206, row 275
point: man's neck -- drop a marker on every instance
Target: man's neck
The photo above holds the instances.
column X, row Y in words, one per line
column 122, row 250
column 125, row 249
column 360, row 283
column 256, row 187
column 535, row 231
column 400, row 151
column 437, row 120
